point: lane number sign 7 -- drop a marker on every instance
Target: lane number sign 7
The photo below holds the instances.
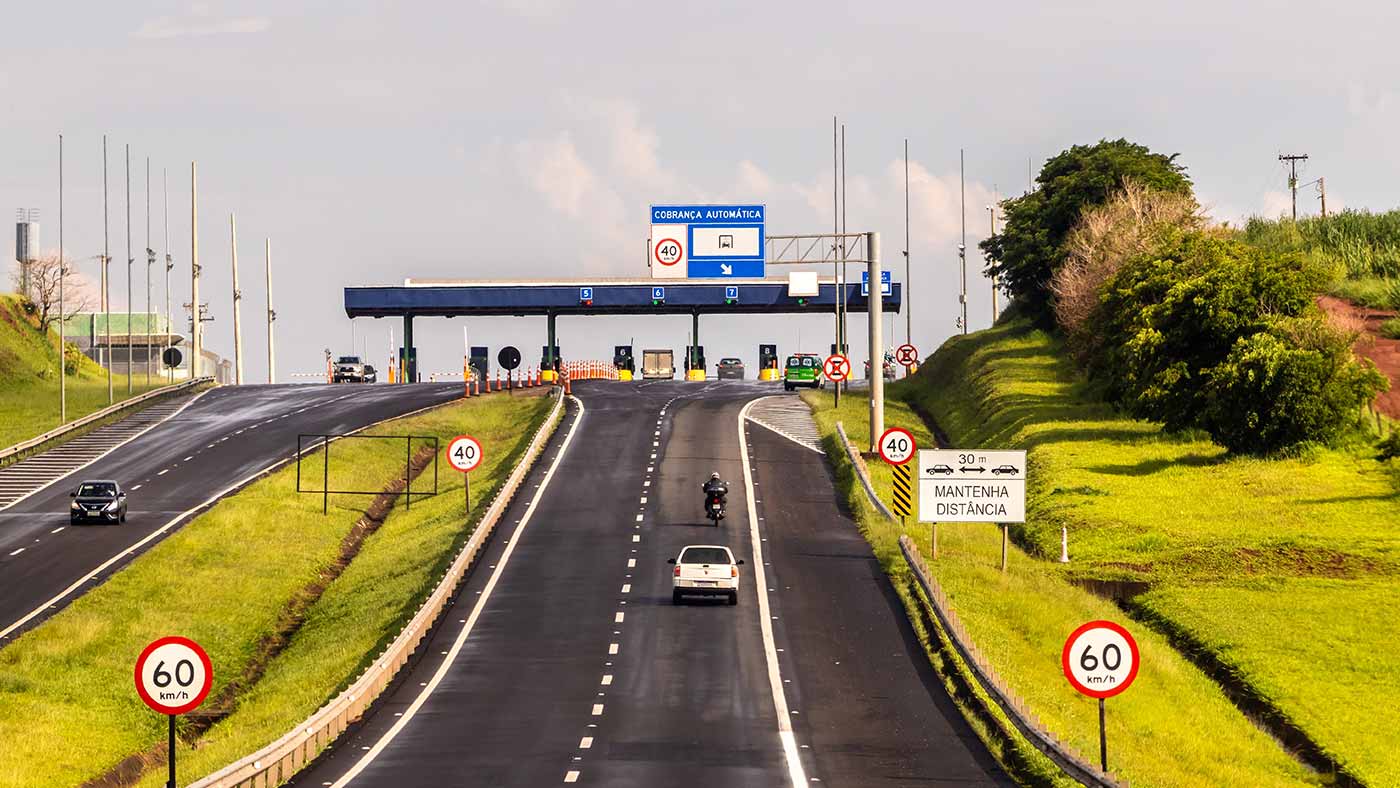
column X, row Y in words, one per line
column 464, row 453
column 897, row 446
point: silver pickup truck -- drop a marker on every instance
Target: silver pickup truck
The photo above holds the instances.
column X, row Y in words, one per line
column 348, row 369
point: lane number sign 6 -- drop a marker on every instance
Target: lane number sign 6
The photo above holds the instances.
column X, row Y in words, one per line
column 464, row 453
column 897, row 446
column 1100, row 659
column 173, row 675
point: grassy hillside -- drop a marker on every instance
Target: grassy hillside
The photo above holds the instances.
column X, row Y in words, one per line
column 29, row 378
column 1284, row 572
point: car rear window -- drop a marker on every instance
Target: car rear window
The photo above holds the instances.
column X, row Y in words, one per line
column 705, row 555
column 92, row 489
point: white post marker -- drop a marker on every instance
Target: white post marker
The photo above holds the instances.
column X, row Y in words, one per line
column 173, row 676
column 1100, row 659
column 973, row 486
column 464, row 454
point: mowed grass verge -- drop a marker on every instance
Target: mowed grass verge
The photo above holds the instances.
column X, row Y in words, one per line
column 68, row 710
column 29, row 379
column 1283, row 570
column 1174, row 727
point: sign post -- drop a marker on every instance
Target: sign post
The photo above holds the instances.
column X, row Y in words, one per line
column 464, row 454
column 897, row 448
column 1100, row 659
column 973, row 486
column 173, row 676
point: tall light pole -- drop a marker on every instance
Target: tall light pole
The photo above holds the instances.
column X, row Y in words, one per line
column 272, row 317
column 129, row 261
column 237, row 297
column 908, row 294
column 150, row 261
column 962, row 245
column 62, row 274
column 106, row 278
column 169, row 264
column 196, row 327
column 992, row 220
column 835, row 253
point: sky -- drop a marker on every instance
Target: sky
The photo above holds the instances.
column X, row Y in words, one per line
column 374, row 141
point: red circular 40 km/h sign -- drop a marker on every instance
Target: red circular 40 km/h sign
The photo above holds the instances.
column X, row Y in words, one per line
column 836, row 368
column 668, row 251
column 907, row 354
column 897, row 446
column 173, row 675
column 464, row 453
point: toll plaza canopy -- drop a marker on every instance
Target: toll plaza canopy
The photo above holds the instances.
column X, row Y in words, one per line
column 481, row 297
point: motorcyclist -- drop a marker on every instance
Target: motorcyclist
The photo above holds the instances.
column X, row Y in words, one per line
column 715, row 486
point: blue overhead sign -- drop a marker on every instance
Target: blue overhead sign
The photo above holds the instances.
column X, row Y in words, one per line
column 886, row 285
column 720, row 241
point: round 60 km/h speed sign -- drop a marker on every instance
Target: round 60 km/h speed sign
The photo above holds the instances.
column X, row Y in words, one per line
column 173, row 675
column 897, row 446
column 464, row 453
column 1100, row 659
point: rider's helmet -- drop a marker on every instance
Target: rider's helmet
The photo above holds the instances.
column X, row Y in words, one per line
column 714, row 476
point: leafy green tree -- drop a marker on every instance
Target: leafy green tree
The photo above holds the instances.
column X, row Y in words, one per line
column 1030, row 248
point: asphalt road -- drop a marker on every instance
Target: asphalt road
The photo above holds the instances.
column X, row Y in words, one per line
column 224, row 437
column 562, row 659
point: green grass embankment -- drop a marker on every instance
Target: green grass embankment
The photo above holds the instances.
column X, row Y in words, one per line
column 29, row 379
column 1283, row 570
column 1007, row 388
column 68, row 710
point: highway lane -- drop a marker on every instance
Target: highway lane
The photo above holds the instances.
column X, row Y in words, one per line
column 226, row 436
column 562, row 660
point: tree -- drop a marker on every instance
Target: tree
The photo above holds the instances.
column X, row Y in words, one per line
column 43, row 291
column 1030, row 248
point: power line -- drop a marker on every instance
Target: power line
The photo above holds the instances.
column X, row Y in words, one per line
column 1292, row 160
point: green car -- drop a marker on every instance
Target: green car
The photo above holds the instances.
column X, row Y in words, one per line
column 803, row 369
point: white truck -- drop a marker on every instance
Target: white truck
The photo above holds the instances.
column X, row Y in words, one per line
column 658, row 365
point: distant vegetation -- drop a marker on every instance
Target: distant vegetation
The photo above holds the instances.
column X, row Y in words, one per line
column 1351, row 244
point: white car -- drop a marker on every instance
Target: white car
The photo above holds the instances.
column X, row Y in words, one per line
column 705, row 570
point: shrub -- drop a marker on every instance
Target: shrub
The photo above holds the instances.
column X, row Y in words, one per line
column 1391, row 328
column 1388, row 448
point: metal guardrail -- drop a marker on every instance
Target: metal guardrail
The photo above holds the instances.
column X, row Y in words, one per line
column 7, row 454
column 1070, row 761
column 862, row 473
column 280, row 760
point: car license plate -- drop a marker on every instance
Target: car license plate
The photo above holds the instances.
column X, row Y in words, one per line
column 704, row 582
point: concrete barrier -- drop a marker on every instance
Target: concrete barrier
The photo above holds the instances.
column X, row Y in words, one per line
column 280, row 760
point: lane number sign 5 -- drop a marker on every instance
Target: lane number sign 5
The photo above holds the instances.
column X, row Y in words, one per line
column 1100, row 659
column 464, row 453
column 897, row 446
column 173, row 675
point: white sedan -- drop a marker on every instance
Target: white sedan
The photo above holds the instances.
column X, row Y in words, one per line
column 705, row 570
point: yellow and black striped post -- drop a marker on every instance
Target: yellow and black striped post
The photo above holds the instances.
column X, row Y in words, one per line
column 903, row 497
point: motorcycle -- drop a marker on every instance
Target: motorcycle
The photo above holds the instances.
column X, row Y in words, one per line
column 714, row 507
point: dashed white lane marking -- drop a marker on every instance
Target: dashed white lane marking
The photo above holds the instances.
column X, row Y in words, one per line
column 646, row 483
column 135, row 487
column 626, row 588
column 597, row 710
column 17, row 552
column 636, row 538
column 796, row 771
column 162, row 471
column 644, row 499
column 585, row 742
column 187, row 459
column 612, row 647
column 457, row 644
column 639, row 518
column 571, row 776
column 607, row 679
column 56, row 530
column 631, row 563
column 653, row 456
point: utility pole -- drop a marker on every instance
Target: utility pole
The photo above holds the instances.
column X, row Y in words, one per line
column 908, row 293
column 272, row 316
column 843, row 343
column 1292, row 160
column 150, row 261
column 169, row 264
column 106, row 278
column 992, row 217
column 1322, row 193
column 129, row 261
column 62, row 274
column 962, row 245
column 877, row 348
column 835, row 230
column 196, row 330
column 237, row 297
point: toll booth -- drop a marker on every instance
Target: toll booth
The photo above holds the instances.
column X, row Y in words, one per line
column 768, row 362
column 623, row 362
column 480, row 361
column 544, row 358
column 410, row 369
column 694, row 362
column 846, row 352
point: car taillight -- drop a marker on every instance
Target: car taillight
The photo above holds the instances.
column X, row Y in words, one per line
column 733, row 571
column 676, row 572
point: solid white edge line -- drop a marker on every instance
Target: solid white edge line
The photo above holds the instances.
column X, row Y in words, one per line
column 66, row 474
column 765, row 621
column 481, row 600
column 129, row 549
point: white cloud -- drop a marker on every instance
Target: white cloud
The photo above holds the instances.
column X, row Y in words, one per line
column 753, row 180
column 556, row 171
column 1276, row 204
column 200, row 22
